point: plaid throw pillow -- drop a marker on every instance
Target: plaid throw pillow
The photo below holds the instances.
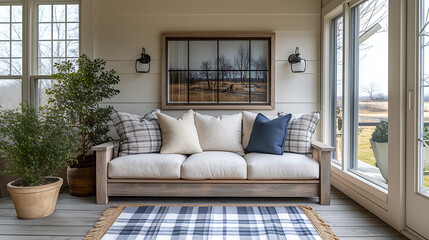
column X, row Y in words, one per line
column 138, row 134
column 299, row 133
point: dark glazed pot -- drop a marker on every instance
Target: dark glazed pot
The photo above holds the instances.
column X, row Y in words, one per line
column 81, row 181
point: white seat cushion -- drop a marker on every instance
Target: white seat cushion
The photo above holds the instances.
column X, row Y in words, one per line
column 151, row 165
column 214, row 165
column 286, row 166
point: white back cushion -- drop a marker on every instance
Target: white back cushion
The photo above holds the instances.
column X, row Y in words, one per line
column 219, row 134
column 179, row 135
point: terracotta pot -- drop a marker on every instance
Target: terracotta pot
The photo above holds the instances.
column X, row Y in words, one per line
column 4, row 179
column 35, row 201
column 81, row 181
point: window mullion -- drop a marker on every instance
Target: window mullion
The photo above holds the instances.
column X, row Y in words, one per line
column 52, row 38
column 65, row 34
column 10, row 40
column 354, row 83
column 333, row 80
column 26, row 48
column 346, row 86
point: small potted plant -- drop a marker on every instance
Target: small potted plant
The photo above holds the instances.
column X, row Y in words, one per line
column 426, row 151
column 379, row 147
column 77, row 93
column 37, row 145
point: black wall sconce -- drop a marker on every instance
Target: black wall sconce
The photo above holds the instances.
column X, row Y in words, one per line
column 143, row 63
column 297, row 64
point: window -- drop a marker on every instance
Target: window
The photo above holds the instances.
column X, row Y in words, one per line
column 423, row 126
column 58, row 35
column 368, row 93
column 41, row 85
column 10, row 56
column 337, row 86
column 56, row 39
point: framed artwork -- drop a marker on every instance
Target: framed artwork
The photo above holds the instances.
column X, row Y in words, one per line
column 218, row 70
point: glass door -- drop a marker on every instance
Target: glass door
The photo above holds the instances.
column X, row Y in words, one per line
column 417, row 186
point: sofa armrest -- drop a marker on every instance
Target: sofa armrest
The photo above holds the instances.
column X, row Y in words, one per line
column 321, row 146
column 322, row 154
column 105, row 146
column 104, row 153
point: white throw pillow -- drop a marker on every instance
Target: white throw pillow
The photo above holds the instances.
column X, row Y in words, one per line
column 248, row 120
column 179, row 135
column 219, row 134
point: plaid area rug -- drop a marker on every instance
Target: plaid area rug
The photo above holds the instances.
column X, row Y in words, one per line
column 211, row 222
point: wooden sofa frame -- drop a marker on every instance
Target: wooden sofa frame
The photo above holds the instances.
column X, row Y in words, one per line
column 214, row 188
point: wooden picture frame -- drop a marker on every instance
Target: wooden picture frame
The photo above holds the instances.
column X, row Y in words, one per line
column 218, row 71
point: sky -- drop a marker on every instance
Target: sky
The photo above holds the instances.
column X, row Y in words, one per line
column 373, row 56
column 207, row 50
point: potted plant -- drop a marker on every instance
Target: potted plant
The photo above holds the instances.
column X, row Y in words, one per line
column 37, row 145
column 379, row 147
column 77, row 93
column 426, row 150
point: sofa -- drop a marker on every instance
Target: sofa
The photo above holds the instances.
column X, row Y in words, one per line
column 213, row 173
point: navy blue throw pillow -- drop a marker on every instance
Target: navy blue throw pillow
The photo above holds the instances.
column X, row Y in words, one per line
column 267, row 135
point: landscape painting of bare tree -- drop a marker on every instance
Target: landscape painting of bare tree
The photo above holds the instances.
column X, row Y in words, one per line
column 224, row 71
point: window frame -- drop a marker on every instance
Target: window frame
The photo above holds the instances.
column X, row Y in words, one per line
column 350, row 87
column 52, row 40
column 12, row 40
column 420, row 188
column 34, row 75
column 30, row 44
column 353, row 95
column 353, row 92
column 333, row 83
column 21, row 76
column 385, row 203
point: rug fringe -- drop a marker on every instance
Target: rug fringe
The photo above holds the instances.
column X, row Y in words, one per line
column 104, row 222
column 321, row 226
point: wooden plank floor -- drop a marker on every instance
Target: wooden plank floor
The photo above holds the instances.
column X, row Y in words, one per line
column 75, row 216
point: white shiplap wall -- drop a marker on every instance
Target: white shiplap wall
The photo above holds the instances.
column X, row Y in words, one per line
column 117, row 30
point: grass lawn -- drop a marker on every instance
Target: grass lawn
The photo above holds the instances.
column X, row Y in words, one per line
column 426, row 181
column 365, row 153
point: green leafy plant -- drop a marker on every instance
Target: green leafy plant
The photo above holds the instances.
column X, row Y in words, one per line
column 77, row 93
column 339, row 118
column 37, row 144
column 380, row 133
column 426, row 135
